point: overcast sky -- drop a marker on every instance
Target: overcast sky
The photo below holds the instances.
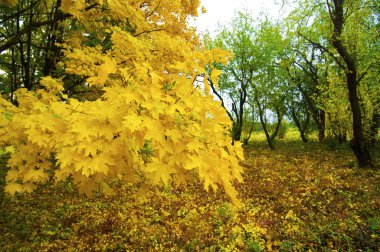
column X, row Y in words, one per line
column 223, row 10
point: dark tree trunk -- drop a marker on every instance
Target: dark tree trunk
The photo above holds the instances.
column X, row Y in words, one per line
column 14, row 76
column 52, row 52
column 303, row 137
column 342, row 138
column 278, row 125
column 357, row 143
column 239, row 113
column 321, row 126
column 263, row 124
column 301, row 128
column 250, row 129
column 318, row 115
column 236, row 131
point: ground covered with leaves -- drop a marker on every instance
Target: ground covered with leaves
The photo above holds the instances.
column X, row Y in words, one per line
column 301, row 197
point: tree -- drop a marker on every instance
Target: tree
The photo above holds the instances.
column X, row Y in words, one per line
column 149, row 123
column 348, row 35
column 251, row 80
column 235, row 80
column 269, row 87
column 358, row 143
column 298, row 112
column 306, row 68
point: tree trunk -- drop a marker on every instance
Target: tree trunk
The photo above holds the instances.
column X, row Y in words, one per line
column 13, row 77
column 263, row 124
column 321, row 126
column 236, row 131
column 304, row 138
column 278, row 125
column 298, row 124
column 318, row 115
column 54, row 34
column 250, row 129
column 227, row 111
column 237, row 125
column 357, row 143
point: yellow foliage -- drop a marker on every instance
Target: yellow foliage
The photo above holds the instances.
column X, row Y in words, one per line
column 151, row 122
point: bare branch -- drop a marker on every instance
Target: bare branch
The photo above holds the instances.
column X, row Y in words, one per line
column 5, row 19
column 323, row 48
column 220, row 97
column 149, row 31
column 32, row 26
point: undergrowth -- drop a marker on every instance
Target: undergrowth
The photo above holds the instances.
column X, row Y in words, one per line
column 301, row 197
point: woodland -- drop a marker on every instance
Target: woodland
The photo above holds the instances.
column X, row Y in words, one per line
column 124, row 129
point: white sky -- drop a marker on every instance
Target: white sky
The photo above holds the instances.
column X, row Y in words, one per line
column 222, row 11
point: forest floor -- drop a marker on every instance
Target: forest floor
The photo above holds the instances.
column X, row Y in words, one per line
column 301, row 197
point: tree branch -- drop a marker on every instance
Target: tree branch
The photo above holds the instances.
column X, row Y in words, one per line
column 323, row 48
column 5, row 19
column 220, row 98
column 149, row 31
column 32, row 26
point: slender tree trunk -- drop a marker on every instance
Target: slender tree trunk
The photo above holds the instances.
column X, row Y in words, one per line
column 250, row 129
column 13, row 77
column 278, row 125
column 53, row 35
column 318, row 115
column 243, row 97
column 301, row 128
column 237, row 126
column 321, row 125
column 263, row 124
column 28, row 63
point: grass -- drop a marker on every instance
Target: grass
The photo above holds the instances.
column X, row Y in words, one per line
column 301, row 197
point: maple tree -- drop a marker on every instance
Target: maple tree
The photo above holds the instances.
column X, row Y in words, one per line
column 149, row 121
column 126, row 102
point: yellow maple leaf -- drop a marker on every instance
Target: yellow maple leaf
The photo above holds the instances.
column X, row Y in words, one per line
column 12, row 175
column 12, row 188
column 51, row 84
column 206, row 85
column 193, row 162
column 195, row 146
column 132, row 122
column 108, row 67
column 35, row 176
column 175, row 135
column 215, row 76
column 61, row 174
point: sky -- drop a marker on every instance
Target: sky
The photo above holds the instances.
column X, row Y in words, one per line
column 222, row 11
